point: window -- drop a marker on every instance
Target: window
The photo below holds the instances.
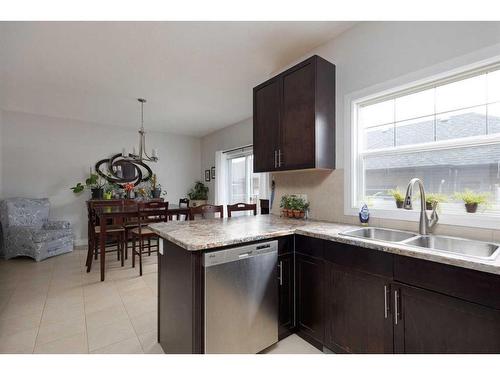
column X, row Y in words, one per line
column 446, row 133
column 243, row 183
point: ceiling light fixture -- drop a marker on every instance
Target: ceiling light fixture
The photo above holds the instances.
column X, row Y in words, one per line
column 142, row 155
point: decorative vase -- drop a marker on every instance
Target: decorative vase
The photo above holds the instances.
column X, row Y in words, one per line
column 471, row 207
column 97, row 193
column 399, row 204
column 156, row 193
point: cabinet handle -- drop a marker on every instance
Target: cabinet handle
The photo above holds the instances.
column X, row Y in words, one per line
column 396, row 307
column 279, row 158
column 275, row 159
column 281, row 272
column 386, row 304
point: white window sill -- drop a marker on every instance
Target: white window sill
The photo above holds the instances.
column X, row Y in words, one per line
column 475, row 220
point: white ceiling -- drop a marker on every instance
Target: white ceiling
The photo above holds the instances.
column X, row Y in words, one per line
column 196, row 76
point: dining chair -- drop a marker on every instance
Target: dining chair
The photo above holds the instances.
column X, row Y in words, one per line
column 114, row 230
column 241, row 207
column 205, row 209
column 183, row 203
column 147, row 213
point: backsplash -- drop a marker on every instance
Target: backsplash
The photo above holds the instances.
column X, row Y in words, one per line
column 325, row 193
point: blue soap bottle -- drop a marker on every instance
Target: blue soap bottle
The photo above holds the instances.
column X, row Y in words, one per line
column 364, row 214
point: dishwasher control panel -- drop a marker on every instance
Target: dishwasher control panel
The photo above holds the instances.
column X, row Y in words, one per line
column 238, row 253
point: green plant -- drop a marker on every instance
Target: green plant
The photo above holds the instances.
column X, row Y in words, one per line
column 432, row 198
column 285, row 202
column 294, row 202
column 470, row 197
column 198, row 192
column 94, row 181
column 397, row 195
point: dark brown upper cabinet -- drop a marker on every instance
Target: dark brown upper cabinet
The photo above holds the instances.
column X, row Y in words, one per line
column 294, row 118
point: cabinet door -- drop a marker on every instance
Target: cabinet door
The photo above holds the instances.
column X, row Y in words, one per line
column 432, row 323
column 309, row 283
column 286, row 295
column 266, row 125
column 357, row 311
column 298, row 126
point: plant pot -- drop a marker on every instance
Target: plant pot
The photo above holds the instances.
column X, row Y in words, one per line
column 108, row 195
column 471, row 207
column 290, row 213
column 296, row 214
column 156, row 193
column 197, row 202
column 399, row 204
column 284, row 212
column 302, row 214
column 97, row 193
column 428, row 205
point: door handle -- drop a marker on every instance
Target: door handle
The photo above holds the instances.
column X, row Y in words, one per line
column 396, row 307
column 386, row 301
column 279, row 158
column 280, row 265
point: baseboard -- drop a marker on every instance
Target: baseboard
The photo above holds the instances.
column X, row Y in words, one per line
column 81, row 242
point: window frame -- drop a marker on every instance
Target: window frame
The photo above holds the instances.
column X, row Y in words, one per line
column 248, row 176
column 354, row 179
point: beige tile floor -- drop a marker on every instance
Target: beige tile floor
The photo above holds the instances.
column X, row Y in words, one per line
column 56, row 307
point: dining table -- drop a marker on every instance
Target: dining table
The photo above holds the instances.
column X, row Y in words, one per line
column 119, row 214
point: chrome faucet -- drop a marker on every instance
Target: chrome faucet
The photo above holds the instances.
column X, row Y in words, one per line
column 426, row 225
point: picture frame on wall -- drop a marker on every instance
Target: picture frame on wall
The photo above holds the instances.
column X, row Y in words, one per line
column 212, row 173
column 207, row 175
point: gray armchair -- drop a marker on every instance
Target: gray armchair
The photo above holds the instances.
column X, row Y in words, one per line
column 26, row 230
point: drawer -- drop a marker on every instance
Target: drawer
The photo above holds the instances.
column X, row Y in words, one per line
column 358, row 258
column 309, row 246
column 474, row 286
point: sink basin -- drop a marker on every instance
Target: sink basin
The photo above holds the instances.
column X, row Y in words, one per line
column 469, row 248
column 380, row 234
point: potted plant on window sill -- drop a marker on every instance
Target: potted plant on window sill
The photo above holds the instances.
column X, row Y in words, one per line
column 398, row 197
column 198, row 195
column 472, row 199
column 434, row 198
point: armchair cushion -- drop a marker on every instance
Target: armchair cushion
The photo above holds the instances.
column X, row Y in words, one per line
column 56, row 224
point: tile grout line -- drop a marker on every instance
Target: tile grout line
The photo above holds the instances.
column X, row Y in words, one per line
column 43, row 309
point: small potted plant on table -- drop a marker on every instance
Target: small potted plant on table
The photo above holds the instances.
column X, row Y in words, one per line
column 472, row 199
column 198, row 195
column 95, row 183
column 155, row 187
column 398, row 197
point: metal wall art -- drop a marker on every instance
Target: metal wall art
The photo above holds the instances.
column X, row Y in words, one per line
column 118, row 170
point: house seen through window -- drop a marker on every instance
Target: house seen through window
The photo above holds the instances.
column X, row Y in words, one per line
column 446, row 133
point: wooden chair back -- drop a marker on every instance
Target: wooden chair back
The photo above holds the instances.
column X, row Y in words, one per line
column 92, row 205
column 241, row 207
column 205, row 209
column 152, row 212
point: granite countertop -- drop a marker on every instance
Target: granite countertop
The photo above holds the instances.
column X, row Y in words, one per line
column 214, row 233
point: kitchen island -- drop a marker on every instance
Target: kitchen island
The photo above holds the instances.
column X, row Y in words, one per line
column 332, row 288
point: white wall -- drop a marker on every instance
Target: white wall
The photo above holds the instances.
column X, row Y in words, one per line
column 1, row 141
column 239, row 134
column 45, row 156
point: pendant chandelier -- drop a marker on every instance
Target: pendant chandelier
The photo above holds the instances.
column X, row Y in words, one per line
column 142, row 155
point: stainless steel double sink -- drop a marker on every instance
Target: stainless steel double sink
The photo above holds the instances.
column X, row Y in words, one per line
column 453, row 245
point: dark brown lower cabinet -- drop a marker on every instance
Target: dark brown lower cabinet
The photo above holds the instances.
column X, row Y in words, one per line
column 432, row 323
column 358, row 317
column 309, row 284
column 286, row 295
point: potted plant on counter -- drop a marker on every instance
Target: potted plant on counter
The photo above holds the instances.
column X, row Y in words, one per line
column 285, row 205
column 95, row 183
column 398, row 197
column 293, row 206
column 432, row 199
column 472, row 199
column 198, row 195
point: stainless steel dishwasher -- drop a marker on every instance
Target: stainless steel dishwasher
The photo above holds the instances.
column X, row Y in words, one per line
column 241, row 298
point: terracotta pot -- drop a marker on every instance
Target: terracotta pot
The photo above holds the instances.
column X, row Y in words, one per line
column 399, row 204
column 290, row 213
column 296, row 214
column 471, row 207
column 284, row 212
column 302, row 214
